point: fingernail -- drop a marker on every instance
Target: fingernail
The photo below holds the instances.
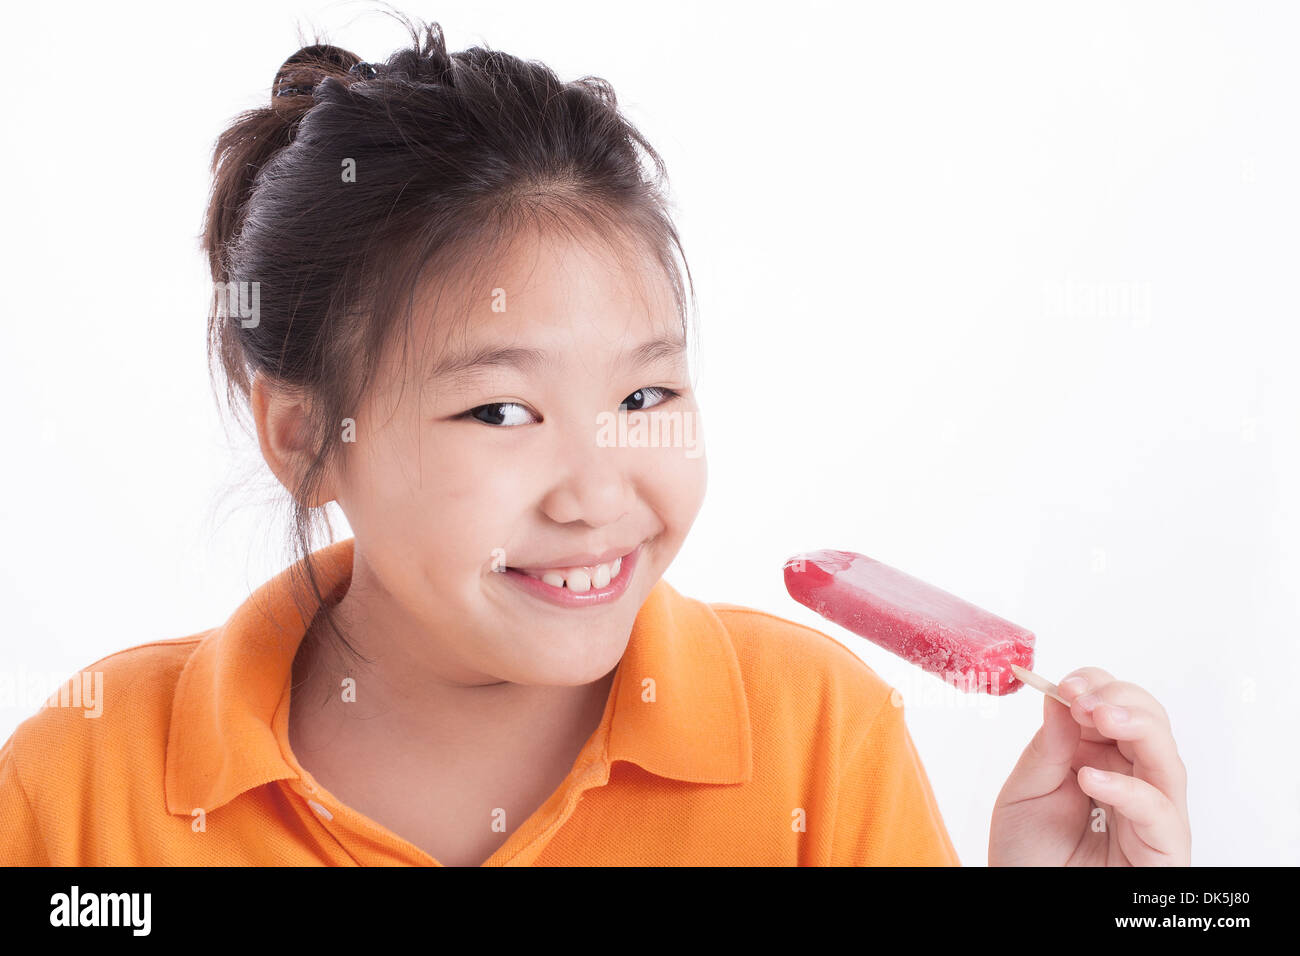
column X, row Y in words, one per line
column 1096, row 776
column 1117, row 714
column 1074, row 685
column 1088, row 703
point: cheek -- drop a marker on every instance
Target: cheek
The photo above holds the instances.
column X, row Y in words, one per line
column 418, row 493
column 676, row 484
column 466, row 504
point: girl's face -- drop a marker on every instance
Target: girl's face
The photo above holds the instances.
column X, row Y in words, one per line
column 525, row 465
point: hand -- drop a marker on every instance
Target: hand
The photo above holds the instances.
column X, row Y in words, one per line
column 1046, row 813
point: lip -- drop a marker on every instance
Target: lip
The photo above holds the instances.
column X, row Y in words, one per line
column 587, row 560
column 563, row 597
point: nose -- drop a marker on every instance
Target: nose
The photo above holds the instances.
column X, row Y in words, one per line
column 593, row 483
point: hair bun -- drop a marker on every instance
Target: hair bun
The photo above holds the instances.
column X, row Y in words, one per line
column 301, row 72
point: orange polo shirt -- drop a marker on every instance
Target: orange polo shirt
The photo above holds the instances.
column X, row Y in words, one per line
column 766, row 743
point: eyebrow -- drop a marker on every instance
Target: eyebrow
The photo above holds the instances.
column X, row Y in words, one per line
column 530, row 361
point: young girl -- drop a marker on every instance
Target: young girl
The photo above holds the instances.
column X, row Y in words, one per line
column 450, row 297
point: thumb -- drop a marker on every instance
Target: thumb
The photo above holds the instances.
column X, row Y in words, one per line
column 1045, row 763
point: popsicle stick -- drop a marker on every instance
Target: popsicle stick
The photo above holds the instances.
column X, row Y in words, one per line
column 1039, row 683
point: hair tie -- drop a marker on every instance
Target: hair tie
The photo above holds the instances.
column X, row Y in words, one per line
column 364, row 70
column 290, row 90
column 311, row 58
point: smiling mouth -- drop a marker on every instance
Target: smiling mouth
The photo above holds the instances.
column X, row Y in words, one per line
column 577, row 580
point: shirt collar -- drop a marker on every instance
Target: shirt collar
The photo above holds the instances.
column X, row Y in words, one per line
column 679, row 711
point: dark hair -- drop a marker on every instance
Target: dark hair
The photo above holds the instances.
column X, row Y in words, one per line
column 454, row 154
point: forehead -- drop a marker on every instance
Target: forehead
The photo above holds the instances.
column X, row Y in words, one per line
column 528, row 300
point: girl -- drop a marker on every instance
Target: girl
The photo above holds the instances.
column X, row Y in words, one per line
column 450, row 297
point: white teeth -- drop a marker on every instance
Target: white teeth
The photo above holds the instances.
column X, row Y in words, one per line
column 579, row 580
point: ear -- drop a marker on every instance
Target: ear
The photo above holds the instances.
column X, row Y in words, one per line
column 281, row 419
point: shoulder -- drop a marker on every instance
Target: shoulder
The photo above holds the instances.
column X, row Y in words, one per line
column 111, row 716
column 828, row 720
column 794, row 668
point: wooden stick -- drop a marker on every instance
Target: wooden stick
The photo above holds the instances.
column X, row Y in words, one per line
column 1039, row 683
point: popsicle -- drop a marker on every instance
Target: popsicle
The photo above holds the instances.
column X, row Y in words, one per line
column 968, row 647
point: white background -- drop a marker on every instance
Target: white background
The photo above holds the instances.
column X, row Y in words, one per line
column 1003, row 295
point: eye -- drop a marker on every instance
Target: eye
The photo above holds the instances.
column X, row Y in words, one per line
column 636, row 402
column 499, row 414
column 495, row 413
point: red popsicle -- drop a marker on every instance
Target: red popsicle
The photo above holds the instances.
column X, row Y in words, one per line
column 968, row 647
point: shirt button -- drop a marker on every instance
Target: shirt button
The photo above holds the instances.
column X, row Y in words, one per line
column 320, row 810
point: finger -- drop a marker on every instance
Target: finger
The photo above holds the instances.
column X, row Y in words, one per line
column 1086, row 677
column 1045, row 762
column 1155, row 820
column 1120, row 693
column 1121, row 713
column 1077, row 684
column 1105, row 756
column 1153, row 753
column 1145, row 738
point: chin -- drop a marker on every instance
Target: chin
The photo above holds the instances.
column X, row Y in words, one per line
column 582, row 668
